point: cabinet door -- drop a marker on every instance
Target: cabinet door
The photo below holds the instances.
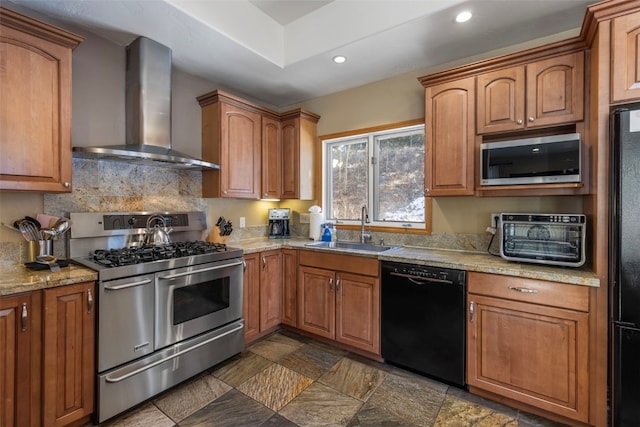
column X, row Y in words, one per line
column 501, row 100
column 20, row 360
column 316, row 301
column 240, row 152
column 289, row 284
column 555, row 90
column 35, row 105
column 270, row 289
column 358, row 311
column 251, row 296
column 271, row 159
column 291, row 158
column 450, row 139
column 625, row 58
column 68, row 368
column 534, row 354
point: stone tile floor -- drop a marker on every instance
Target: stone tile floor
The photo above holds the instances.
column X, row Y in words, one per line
column 286, row 380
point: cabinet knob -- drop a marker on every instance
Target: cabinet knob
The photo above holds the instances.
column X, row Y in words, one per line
column 532, row 119
column 67, row 184
column 426, row 190
column 224, row 192
column 519, row 121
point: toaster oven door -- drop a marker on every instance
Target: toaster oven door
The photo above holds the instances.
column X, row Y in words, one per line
column 543, row 243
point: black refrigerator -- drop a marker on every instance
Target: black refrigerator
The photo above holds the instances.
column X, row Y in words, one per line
column 625, row 266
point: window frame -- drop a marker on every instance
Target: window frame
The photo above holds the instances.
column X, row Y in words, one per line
column 355, row 224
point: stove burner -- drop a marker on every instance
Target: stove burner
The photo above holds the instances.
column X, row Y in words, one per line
column 142, row 254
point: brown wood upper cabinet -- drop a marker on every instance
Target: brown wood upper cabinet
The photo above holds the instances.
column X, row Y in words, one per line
column 450, row 138
column 271, row 158
column 625, row 58
column 528, row 341
column 542, row 93
column 231, row 138
column 35, row 106
column 261, row 153
column 299, row 131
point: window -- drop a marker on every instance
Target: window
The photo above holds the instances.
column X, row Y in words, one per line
column 382, row 169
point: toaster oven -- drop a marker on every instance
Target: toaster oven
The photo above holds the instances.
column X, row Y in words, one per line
column 556, row 239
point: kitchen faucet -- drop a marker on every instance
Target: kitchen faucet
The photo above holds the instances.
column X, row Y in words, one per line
column 364, row 237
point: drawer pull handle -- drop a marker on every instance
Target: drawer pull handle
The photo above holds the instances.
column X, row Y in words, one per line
column 523, row 290
column 89, row 301
column 24, row 318
column 472, row 311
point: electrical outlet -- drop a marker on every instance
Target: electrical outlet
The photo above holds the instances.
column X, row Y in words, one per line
column 494, row 220
column 243, row 222
column 304, row 218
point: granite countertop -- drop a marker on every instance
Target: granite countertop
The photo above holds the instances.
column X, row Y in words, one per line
column 18, row 278
column 470, row 261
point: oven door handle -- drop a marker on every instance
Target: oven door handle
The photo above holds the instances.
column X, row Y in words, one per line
column 190, row 273
column 419, row 280
column 110, row 379
column 126, row 285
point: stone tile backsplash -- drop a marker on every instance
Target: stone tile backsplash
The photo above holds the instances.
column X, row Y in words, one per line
column 106, row 186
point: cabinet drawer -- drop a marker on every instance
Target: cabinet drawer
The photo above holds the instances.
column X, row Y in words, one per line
column 553, row 294
column 340, row 262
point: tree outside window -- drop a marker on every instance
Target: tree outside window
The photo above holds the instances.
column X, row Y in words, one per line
column 383, row 170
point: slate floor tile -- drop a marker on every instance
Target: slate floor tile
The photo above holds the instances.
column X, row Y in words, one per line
column 233, row 409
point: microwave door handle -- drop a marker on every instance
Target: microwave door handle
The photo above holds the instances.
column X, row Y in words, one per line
column 190, row 273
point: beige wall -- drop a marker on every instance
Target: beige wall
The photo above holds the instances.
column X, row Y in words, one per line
column 98, row 118
column 401, row 98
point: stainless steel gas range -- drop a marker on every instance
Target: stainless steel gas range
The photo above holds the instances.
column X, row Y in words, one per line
column 165, row 312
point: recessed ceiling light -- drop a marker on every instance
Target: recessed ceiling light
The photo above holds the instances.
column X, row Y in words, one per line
column 339, row 59
column 463, row 16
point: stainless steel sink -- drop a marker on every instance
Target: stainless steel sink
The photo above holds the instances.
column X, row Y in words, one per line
column 351, row 245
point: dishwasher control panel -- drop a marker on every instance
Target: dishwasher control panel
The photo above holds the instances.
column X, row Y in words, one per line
column 429, row 272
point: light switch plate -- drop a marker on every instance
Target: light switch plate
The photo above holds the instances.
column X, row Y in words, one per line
column 304, row 218
column 243, row 223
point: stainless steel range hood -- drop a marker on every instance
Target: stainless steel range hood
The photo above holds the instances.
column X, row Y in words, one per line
column 148, row 113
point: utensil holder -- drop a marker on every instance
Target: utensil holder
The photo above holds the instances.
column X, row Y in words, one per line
column 35, row 248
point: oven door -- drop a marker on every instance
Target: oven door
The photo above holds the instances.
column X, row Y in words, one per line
column 125, row 320
column 194, row 300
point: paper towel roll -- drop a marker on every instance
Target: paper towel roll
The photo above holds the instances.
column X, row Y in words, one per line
column 315, row 221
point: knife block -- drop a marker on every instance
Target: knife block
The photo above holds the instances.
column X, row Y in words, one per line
column 215, row 236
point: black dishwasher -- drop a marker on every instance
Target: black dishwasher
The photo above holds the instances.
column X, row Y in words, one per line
column 423, row 320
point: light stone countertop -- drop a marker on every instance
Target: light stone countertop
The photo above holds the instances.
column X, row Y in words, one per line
column 464, row 260
column 18, row 278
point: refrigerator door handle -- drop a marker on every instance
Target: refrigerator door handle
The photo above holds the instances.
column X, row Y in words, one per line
column 624, row 324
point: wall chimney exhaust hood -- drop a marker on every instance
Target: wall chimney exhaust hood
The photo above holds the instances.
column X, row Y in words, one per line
column 148, row 113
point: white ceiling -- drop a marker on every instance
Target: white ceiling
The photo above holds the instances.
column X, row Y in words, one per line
column 279, row 51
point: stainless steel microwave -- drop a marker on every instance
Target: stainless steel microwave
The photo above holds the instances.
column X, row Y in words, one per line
column 543, row 160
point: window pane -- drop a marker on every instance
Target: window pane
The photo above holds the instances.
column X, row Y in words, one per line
column 400, row 175
column 348, row 177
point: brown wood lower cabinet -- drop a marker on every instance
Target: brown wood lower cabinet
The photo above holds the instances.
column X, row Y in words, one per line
column 47, row 356
column 20, row 355
column 68, row 359
column 289, row 287
column 262, row 293
column 339, row 298
column 528, row 341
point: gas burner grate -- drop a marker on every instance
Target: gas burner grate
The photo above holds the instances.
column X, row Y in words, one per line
column 142, row 254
